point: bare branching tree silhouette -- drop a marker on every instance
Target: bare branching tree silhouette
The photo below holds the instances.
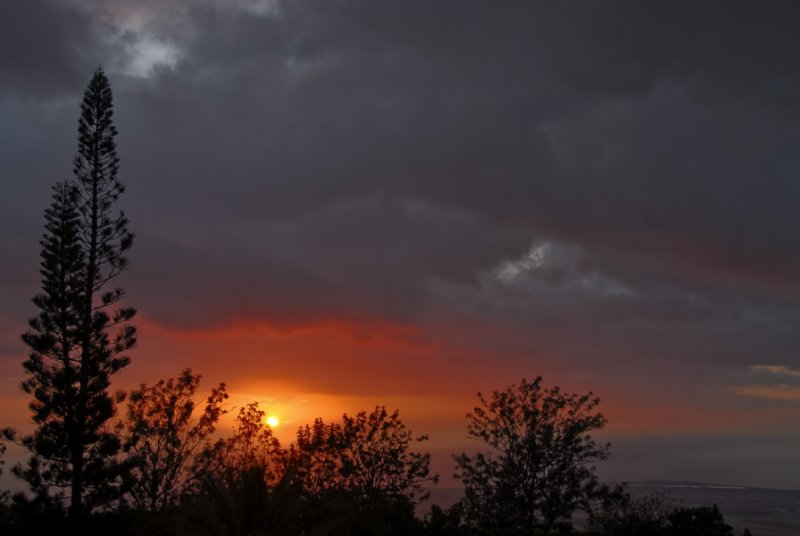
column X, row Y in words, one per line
column 166, row 430
column 368, row 454
column 539, row 468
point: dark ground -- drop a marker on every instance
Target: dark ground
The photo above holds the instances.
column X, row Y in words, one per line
column 766, row 512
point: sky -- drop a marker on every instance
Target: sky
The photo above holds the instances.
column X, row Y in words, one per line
column 345, row 203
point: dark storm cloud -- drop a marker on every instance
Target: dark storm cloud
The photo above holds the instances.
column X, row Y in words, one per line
column 360, row 158
column 636, row 127
column 354, row 259
column 46, row 48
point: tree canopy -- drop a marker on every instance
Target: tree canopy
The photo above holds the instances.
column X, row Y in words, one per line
column 78, row 340
column 165, row 433
column 538, row 469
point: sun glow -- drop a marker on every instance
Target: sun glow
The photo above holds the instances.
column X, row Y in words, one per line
column 273, row 421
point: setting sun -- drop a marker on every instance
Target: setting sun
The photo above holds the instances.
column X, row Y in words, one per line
column 273, row 421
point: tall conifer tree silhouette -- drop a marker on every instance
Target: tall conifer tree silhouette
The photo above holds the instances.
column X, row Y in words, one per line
column 73, row 352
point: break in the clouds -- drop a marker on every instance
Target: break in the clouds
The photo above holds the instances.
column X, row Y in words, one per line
column 775, row 382
column 584, row 188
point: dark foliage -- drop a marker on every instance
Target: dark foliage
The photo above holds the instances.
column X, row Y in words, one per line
column 345, row 512
column 367, row 455
column 699, row 521
column 538, row 470
column 244, row 487
column 242, row 503
column 164, row 438
column 252, row 445
column 357, row 477
column 354, row 478
column 360, row 476
column 449, row 522
column 654, row 515
column 623, row 516
column 72, row 352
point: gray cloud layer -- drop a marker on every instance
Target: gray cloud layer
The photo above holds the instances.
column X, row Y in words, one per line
column 307, row 160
